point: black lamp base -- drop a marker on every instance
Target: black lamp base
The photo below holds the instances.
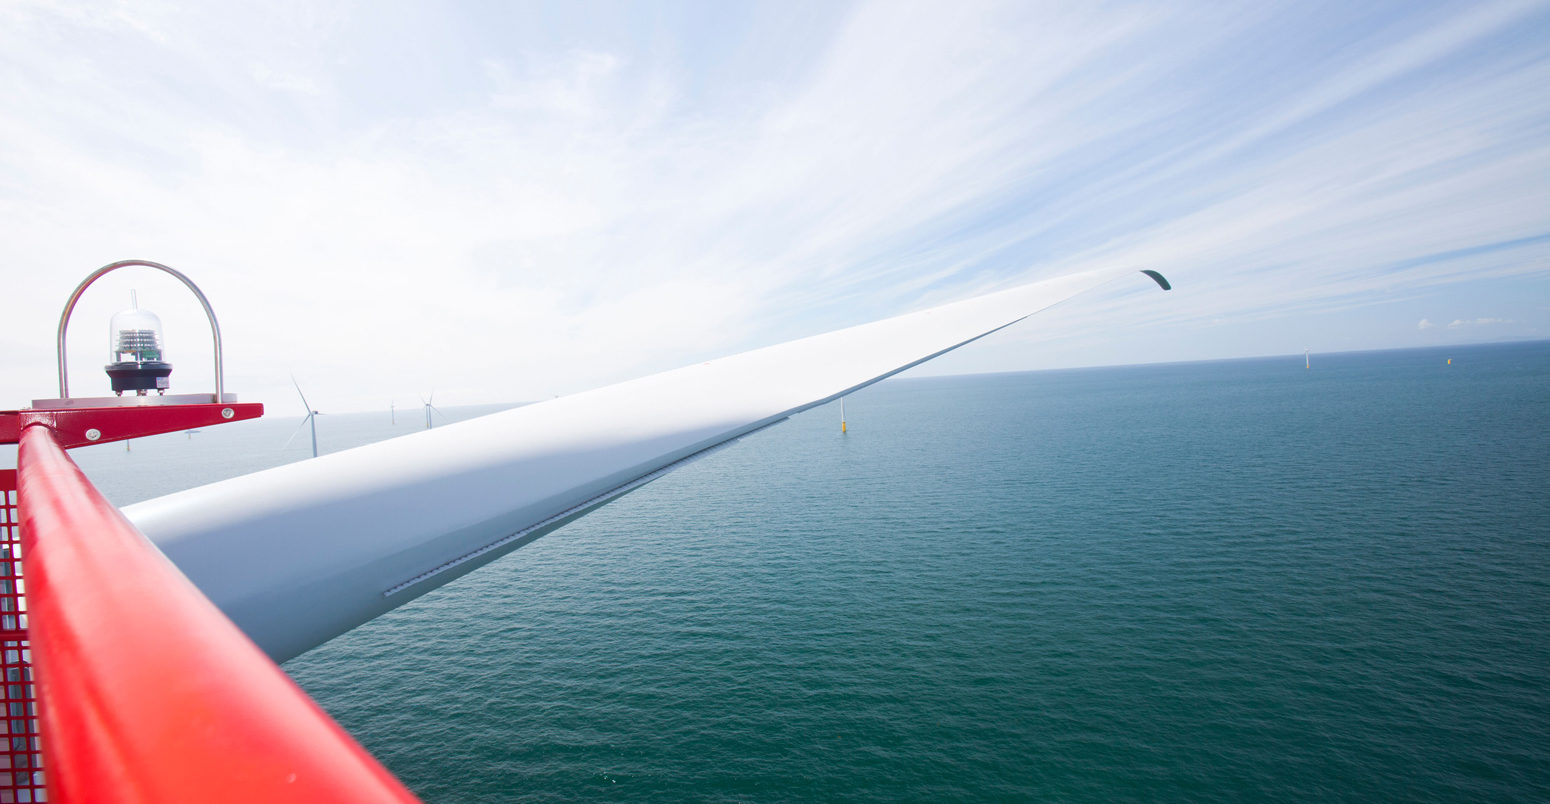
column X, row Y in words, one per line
column 152, row 375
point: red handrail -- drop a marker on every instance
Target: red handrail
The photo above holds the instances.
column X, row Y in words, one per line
column 148, row 693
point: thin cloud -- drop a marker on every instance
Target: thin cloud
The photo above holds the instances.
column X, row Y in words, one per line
column 1460, row 323
column 284, row 82
column 543, row 219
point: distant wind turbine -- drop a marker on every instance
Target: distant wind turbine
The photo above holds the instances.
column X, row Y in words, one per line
column 311, row 419
column 429, row 407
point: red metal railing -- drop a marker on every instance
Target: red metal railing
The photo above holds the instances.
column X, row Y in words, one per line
column 148, row 693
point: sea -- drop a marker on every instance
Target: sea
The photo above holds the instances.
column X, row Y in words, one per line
column 1223, row 581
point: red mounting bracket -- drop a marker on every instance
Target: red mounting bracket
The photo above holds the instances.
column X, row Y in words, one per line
column 82, row 426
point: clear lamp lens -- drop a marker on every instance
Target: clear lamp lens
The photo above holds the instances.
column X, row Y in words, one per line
column 135, row 337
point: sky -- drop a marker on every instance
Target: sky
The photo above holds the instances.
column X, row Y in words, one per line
column 503, row 202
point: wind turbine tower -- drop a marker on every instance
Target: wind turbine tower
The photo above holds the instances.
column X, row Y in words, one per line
column 429, row 408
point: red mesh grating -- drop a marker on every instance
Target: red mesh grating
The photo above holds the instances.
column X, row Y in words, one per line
column 21, row 757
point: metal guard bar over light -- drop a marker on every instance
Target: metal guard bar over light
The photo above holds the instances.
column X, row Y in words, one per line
column 64, row 321
column 148, row 693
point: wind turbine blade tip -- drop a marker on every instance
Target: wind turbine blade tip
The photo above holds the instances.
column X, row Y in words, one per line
column 303, row 396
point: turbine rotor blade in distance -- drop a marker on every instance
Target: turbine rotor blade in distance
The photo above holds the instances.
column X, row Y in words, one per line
column 304, row 402
column 297, row 431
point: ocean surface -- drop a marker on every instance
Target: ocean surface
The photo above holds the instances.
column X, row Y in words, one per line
column 1222, row 581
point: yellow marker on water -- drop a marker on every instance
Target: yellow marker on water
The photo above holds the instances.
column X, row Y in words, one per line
column 1450, row 361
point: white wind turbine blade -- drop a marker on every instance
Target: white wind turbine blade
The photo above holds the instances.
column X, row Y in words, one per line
column 296, row 432
column 301, row 553
column 304, row 420
column 303, row 396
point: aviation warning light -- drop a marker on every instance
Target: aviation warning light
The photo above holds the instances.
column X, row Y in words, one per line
column 135, row 346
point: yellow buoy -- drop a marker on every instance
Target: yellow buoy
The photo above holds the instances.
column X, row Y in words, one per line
column 1450, row 361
